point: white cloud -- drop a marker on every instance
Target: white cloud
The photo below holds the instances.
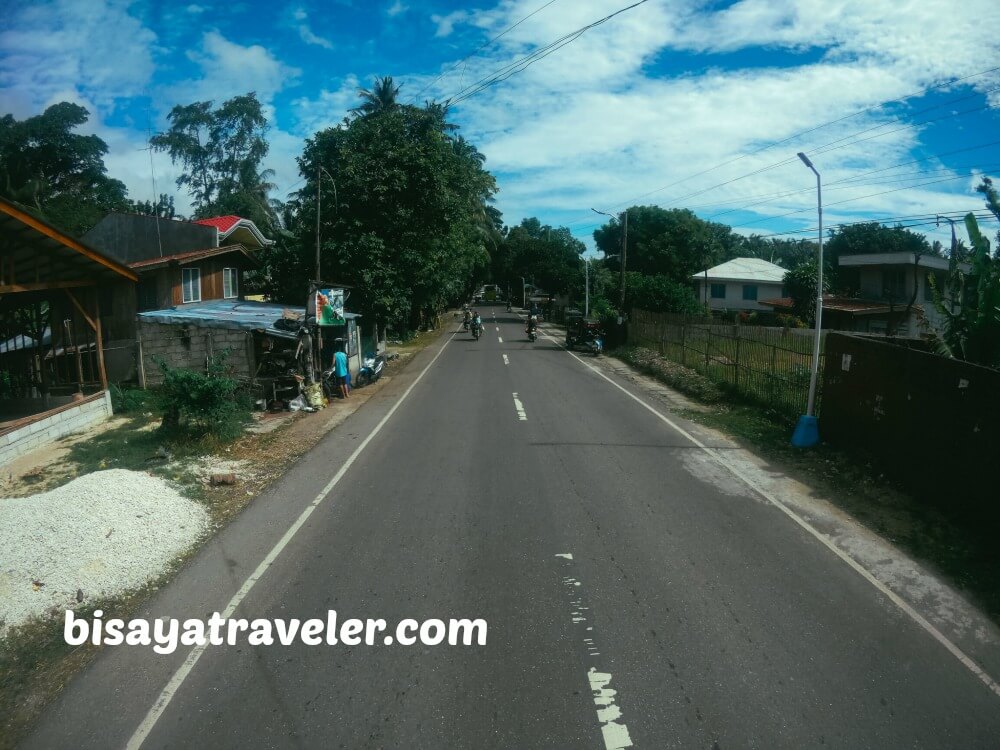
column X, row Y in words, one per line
column 306, row 33
column 446, row 24
column 592, row 125
column 67, row 45
column 230, row 69
column 396, row 8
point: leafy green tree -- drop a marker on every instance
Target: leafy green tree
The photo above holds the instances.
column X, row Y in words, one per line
column 546, row 256
column 59, row 174
column 969, row 304
column 220, row 151
column 870, row 237
column 671, row 242
column 381, row 97
column 659, row 293
column 801, row 285
column 405, row 205
column 992, row 202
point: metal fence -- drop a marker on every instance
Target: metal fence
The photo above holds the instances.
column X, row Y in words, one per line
column 933, row 422
column 768, row 365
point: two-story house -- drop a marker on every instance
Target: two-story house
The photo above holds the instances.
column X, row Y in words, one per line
column 181, row 262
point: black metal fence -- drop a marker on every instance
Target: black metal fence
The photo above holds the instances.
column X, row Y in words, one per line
column 933, row 422
column 768, row 365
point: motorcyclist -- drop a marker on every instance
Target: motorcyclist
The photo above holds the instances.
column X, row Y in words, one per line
column 531, row 325
column 477, row 322
column 468, row 318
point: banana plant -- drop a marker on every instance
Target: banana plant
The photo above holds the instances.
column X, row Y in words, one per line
column 969, row 304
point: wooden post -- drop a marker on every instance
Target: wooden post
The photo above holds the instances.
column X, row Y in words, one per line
column 736, row 366
column 140, row 359
column 100, row 340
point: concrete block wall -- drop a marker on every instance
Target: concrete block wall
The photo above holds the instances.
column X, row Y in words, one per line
column 69, row 420
column 189, row 347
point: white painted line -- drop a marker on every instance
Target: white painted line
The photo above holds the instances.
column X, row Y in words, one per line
column 505, row 360
column 565, row 555
column 498, row 329
column 891, row 595
column 175, row 682
column 499, row 339
column 615, row 733
column 519, row 407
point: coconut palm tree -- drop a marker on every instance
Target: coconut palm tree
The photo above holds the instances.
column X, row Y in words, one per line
column 382, row 97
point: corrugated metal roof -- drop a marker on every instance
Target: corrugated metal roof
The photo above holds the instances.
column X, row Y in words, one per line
column 222, row 223
column 744, row 269
column 246, row 316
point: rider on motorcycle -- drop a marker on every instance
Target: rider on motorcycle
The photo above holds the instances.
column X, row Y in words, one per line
column 468, row 318
column 531, row 325
column 477, row 322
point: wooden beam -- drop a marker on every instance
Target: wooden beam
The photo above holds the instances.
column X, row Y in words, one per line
column 66, row 240
column 43, row 285
column 80, row 309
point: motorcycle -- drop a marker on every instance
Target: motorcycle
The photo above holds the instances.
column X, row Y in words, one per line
column 465, row 325
column 371, row 370
column 476, row 330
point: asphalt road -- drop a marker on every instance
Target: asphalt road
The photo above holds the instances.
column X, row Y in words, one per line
column 632, row 594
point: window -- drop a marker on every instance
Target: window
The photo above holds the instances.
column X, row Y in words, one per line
column 750, row 292
column 894, row 283
column 191, row 285
column 718, row 291
column 230, row 283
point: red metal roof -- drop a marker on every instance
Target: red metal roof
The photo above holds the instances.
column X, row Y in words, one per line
column 222, row 223
column 841, row 304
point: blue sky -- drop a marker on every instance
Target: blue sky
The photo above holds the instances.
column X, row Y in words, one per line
column 636, row 107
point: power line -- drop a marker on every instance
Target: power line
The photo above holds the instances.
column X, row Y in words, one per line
column 506, row 71
column 917, row 221
column 801, row 133
column 481, row 47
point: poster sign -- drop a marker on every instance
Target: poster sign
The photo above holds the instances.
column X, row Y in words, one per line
column 330, row 307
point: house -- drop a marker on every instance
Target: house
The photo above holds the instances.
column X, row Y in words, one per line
column 55, row 296
column 882, row 287
column 256, row 341
column 740, row 284
column 181, row 262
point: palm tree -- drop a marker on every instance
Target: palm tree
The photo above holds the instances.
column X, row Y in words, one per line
column 380, row 98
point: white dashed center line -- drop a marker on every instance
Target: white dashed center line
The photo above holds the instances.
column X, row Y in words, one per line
column 505, row 360
column 609, row 715
column 519, row 407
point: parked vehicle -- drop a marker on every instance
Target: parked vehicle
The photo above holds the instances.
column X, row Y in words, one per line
column 371, row 369
column 581, row 332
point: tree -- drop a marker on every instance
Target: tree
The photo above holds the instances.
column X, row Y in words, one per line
column 868, row 238
column 59, row 174
column 658, row 293
column 381, row 97
column 992, row 201
column 801, row 284
column 970, row 304
column 221, row 151
column 406, row 222
column 671, row 242
column 550, row 257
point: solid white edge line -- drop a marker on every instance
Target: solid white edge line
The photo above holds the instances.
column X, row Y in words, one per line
column 940, row 637
column 175, row 682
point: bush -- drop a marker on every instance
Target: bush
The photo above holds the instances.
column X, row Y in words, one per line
column 684, row 379
column 208, row 403
column 127, row 400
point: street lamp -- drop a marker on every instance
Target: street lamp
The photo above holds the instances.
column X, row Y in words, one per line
column 621, row 305
column 807, row 430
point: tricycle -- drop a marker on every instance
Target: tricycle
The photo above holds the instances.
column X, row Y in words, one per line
column 585, row 333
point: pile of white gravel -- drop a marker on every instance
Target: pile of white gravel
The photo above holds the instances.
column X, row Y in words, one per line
column 100, row 534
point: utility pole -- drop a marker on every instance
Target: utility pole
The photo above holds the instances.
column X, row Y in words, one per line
column 586, row 288
column 319, row 204
column 621, row 306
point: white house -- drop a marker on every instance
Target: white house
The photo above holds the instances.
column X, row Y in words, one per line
column 740, row 284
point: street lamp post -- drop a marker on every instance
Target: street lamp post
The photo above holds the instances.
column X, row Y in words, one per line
column 807, row 430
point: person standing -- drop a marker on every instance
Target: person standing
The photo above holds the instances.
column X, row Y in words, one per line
column 340, row 370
